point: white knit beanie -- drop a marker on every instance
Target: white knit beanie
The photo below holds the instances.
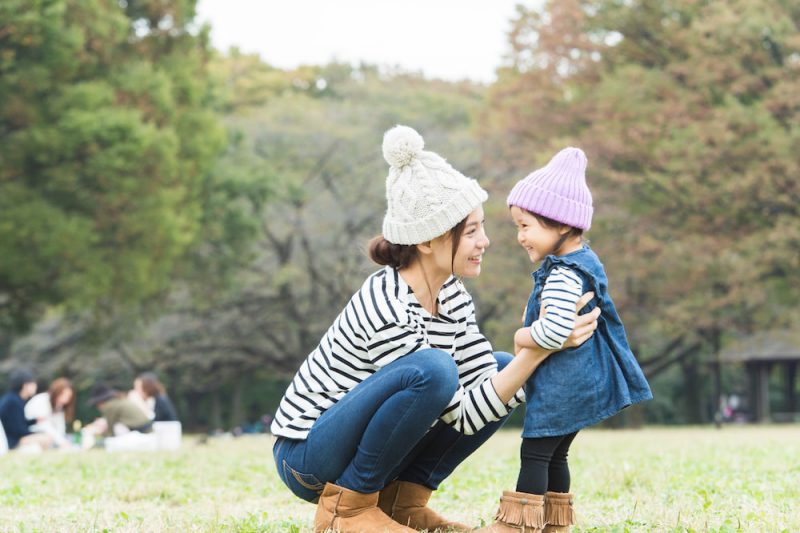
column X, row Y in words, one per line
column 426, row 197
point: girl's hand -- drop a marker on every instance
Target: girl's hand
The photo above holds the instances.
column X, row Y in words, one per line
column 584, row 324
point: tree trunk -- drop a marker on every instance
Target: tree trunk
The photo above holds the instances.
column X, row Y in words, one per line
column 237, row 408
column 693, row 398
column 215, row 420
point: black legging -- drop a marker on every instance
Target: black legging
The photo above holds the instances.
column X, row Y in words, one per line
column 544, row 464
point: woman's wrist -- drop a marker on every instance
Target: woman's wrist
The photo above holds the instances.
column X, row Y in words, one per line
column 509, row 380
column 523, row 338
column 535, row 354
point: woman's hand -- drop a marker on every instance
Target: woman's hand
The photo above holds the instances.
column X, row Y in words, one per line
column 584, row 324
column 508, row 381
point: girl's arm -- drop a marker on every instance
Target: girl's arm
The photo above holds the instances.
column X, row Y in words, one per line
column 508, row 381
column 560, row 294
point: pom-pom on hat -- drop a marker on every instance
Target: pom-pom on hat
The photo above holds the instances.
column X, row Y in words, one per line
column 426, row 197
column 558, row 190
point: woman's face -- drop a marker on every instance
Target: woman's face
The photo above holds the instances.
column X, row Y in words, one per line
column 471, row 247
column 64, row 398
column 137, row 386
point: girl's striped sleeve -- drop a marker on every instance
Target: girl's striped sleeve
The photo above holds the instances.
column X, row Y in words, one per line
column 562, row 289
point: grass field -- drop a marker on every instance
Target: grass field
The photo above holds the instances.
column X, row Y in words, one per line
column 676, row 480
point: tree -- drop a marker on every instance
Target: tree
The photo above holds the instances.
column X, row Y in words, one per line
column 688, row 112
column 106, row 136
column 318, row 144
column 287, row 211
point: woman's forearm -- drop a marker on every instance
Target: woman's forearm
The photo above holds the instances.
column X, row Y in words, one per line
column 509, row 380
column 530, row 355
column 523, row 338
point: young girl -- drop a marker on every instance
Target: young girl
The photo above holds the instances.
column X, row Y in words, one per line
column 578, row 387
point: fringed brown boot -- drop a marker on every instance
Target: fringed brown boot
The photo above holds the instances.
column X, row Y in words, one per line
column 407, row 503
column 519, row 512
column 558, row 512
column 347, row 511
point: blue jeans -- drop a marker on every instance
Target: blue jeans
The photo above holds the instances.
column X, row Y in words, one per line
column 381, row 431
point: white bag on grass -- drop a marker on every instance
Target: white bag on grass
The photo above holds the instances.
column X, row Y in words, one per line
column 132, row 442
column 168, row 435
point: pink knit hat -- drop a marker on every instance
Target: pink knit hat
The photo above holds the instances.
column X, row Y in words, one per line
column 558, row 190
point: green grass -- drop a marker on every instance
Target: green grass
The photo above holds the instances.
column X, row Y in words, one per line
column 672, row 480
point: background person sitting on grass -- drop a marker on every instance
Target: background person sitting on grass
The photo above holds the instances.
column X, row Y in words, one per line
column 21, row 387
column 53, row 409
column 150, row 392
column 119, row 414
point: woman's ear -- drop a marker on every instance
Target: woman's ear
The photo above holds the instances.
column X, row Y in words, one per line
column 425, row 248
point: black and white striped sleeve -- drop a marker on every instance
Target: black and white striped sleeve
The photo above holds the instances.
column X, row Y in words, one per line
column 475, row 403
column 562, row 289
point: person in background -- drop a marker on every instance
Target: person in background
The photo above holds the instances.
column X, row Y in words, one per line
column 53, row 409
column 148, row 387
column 119, row 414
column 144, row 402
column 21, row 387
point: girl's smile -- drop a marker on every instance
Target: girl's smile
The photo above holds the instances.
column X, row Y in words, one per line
column 536, row 238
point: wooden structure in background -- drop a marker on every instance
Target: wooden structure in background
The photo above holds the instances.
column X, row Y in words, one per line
column 762, row 354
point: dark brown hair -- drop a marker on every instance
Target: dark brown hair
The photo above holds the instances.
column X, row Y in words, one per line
column 386, row 253
column 455, row 238
column 400, row 256
column 151, row 386
column 555, row 224
column 58, row 386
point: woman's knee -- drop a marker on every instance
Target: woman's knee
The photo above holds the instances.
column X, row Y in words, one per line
column 437, row 370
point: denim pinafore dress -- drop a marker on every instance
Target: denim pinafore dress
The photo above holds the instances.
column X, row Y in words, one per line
column 579, row 387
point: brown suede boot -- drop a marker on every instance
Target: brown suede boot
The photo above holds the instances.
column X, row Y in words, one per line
column 347, row 511
column 407, row 503
column 518, row 513
column 558, row 512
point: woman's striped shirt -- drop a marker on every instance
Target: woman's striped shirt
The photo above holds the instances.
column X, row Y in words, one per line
column 382, row 322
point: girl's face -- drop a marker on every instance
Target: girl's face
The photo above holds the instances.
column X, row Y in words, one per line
column 537, row 239
column 471, row 247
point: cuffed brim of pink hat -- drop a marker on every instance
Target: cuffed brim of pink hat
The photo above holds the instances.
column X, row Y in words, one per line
column 551, row 205
column 464, row 202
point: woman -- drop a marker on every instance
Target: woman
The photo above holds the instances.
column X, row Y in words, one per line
column 150, row 391
column 52, row 410
column 403, row 387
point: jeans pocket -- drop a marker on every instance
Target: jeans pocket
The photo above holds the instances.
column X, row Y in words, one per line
column 306, row 486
